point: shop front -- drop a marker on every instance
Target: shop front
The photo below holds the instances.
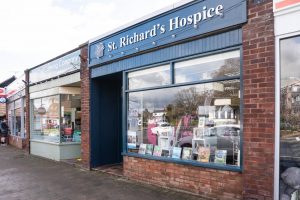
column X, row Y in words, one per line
column 173, row 94
column 287, row 160
column 16, row 108
column 55, row 108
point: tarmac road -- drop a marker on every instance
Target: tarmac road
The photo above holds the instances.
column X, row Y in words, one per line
column 25, row 177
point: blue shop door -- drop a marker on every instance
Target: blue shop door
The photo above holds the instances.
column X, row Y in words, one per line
column 106, row 120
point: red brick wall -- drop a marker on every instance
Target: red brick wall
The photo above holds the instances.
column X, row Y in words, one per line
column 208, row 183
column 259, row 101
column 85, row 108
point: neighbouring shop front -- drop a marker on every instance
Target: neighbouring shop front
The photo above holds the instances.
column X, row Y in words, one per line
column 183, row 96
column 16, row 112
column 55, row 108
column 287, row 162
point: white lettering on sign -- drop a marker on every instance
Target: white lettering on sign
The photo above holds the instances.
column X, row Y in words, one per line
column 174, row 23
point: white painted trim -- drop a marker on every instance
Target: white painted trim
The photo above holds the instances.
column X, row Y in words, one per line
column 144, row 18
column 277, row 111
column 286, row 10
column 54, row 143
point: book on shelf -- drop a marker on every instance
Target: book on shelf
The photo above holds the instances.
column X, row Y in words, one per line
column 157, row 151
column 187, row 153
column 176, row 152
column 220, row 156
column 149, row 149
column 142, row 149
column 203, row 154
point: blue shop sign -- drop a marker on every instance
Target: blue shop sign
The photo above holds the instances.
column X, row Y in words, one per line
column 199, row 17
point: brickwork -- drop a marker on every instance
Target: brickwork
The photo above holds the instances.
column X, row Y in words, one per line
column 209, row 183
column 85, row 107
column 259, row 101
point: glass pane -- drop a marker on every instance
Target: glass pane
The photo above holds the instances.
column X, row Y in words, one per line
column 149, row 77
column 45, row 122
column 71, row 118
column 18, row 122
column 210, row 67
column 290, row 118
column 199, row 122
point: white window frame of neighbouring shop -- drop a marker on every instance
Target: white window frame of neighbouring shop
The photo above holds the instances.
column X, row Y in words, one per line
column 277, row 110
column 170, row 68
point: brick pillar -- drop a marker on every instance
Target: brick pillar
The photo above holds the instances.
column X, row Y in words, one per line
column 27, row 113
column 85, row 107
column 259, row 100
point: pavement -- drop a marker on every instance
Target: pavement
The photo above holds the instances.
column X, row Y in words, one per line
column 26, row 177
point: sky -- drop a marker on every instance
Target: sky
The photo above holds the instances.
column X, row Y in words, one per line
column 35, row 31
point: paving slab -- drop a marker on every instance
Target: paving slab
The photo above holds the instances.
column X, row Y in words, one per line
column 26, row 177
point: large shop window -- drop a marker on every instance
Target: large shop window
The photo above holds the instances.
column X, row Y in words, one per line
column 196, row 119
column 57, row 118
column 290, row 119
column 45, row 122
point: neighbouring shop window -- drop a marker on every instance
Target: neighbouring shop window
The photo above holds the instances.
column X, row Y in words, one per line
column 197, row 122
column 45, row 119
column 16, row 111
column 290, row 119
column 71, row 118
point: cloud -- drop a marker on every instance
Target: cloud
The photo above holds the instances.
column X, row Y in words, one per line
column 35, row 31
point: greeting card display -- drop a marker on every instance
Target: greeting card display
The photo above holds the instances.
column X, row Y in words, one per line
column 187, row 153
column 220, row 156
column 157, row 151
column 203, row 154
column 149, row 149
column 131, row 139
column 142, row 149
column 176, row 152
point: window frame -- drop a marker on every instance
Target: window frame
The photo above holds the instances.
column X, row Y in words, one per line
column 172, row 84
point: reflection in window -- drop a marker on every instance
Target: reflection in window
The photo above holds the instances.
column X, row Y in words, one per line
column 45, row 120
column 199, row 122
column 209, row 67
column 290, row 119
column 156, row 76
column 71, row 118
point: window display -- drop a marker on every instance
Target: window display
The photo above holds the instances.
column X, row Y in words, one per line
column 290, row 119
column 45, row 119
column 71, row 118
column 197, row 122
column 57, row 118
